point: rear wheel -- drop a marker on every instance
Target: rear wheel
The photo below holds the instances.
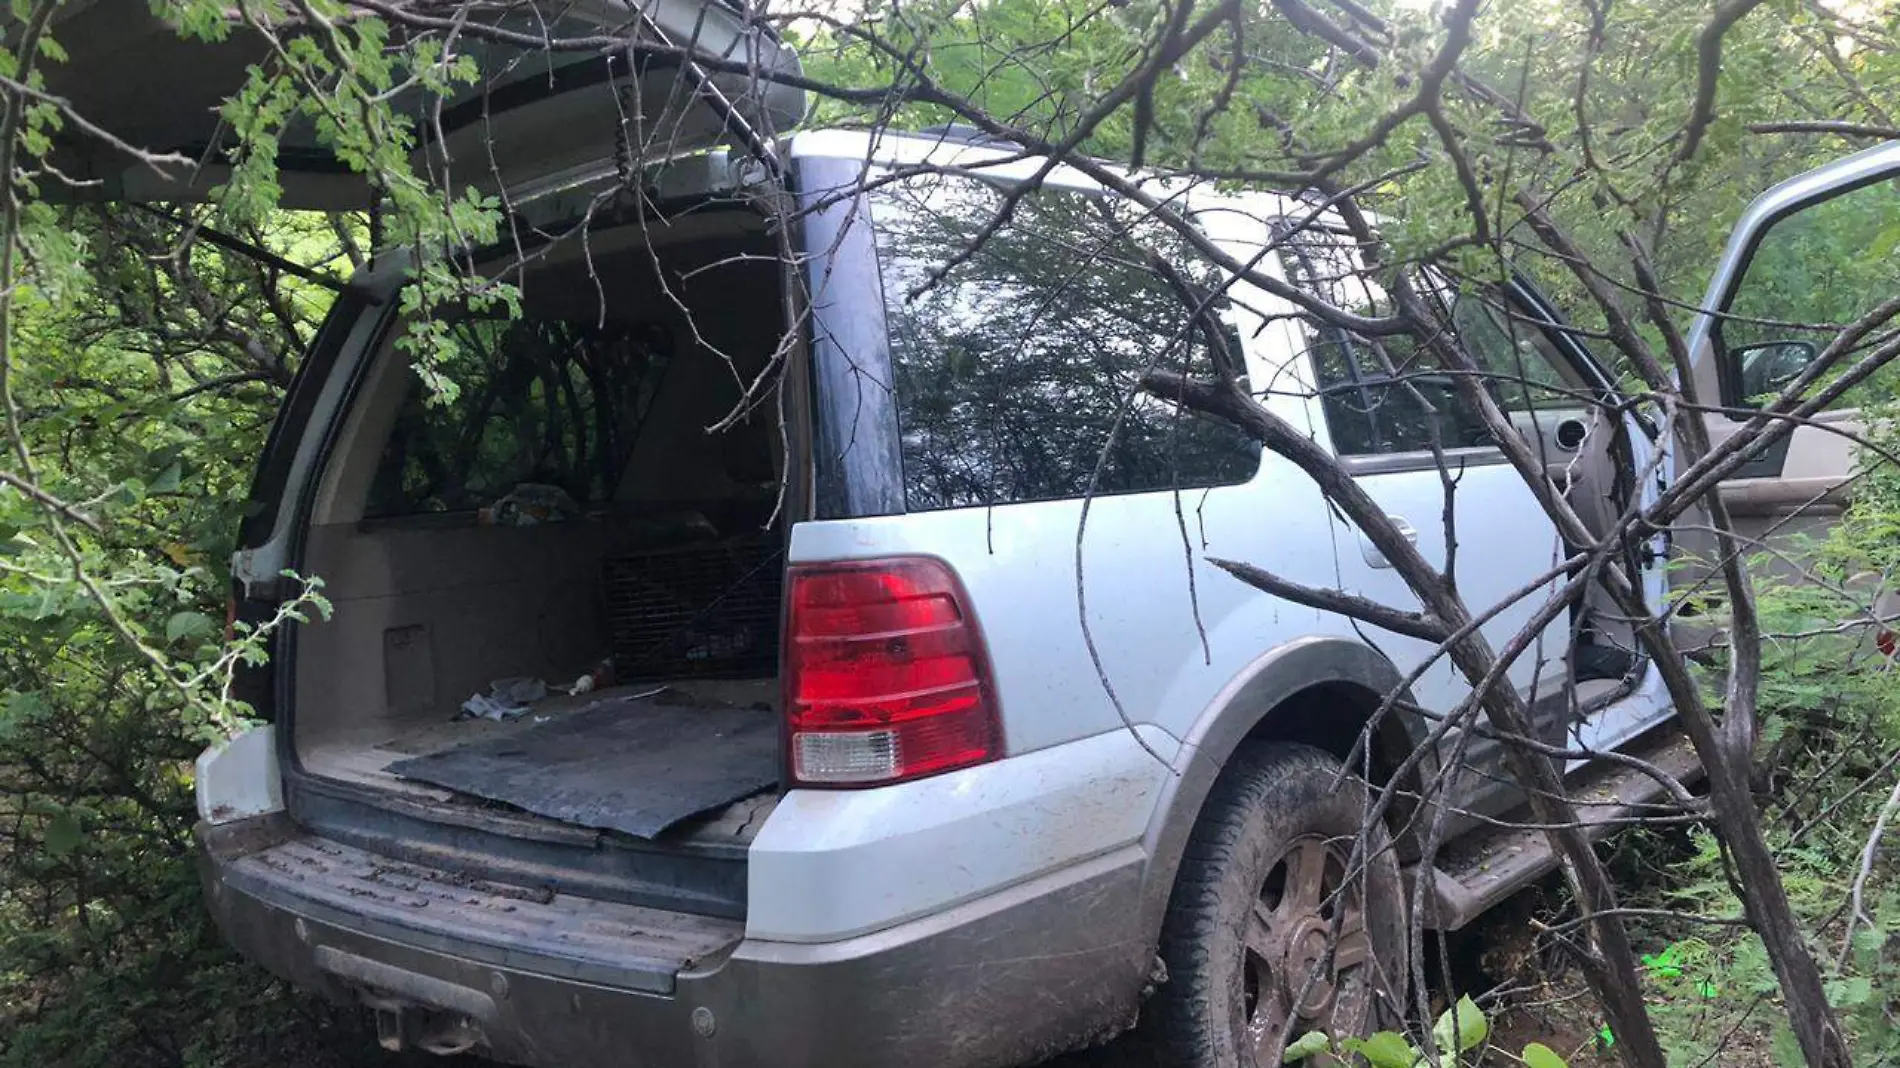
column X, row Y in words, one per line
column 1270, row 932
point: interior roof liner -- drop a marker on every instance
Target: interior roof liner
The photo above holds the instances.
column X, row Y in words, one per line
column 528, row 116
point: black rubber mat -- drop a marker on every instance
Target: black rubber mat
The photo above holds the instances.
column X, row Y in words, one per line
column 637, row 765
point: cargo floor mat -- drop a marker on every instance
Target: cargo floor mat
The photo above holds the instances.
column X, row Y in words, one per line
column 632, row 764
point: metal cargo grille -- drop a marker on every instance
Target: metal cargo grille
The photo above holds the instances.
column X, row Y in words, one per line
column 705, row 610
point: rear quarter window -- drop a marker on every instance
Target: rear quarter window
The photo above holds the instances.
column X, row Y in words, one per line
column 1015, row 369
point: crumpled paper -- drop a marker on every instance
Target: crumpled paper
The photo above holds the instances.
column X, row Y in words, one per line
column 506, row 698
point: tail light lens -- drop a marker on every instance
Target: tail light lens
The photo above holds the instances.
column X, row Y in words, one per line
column 885, row 674
column 1884, row 641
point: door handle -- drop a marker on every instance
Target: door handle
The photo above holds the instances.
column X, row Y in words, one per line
column 1371, row 553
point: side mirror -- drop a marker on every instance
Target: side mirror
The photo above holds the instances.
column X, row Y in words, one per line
column 1769, row 367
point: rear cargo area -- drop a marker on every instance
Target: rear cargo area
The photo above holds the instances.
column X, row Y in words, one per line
column 556, row 591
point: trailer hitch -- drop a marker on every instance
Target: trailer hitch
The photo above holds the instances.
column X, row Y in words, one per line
column 413, row 1011
column 403, row 1025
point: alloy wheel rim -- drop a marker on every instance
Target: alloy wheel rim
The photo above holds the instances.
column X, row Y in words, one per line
column 1291, row 984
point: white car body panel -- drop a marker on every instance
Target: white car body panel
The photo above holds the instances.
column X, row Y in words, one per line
column 831, row 864
column 238, row 779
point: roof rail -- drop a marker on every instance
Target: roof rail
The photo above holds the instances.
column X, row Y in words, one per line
column 965, row 133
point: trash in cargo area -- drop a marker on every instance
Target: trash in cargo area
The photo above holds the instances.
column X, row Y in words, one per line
column 529, row 504
column 601, row 677
column 635, row 763
column 505, row 699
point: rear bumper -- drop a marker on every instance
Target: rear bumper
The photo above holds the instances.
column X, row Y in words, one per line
column 999, row 981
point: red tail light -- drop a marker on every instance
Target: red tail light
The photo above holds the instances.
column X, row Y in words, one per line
column 885, row 674
column 1884, row 641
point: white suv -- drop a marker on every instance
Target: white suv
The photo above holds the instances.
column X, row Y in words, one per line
column 931, row 735
column 793, row 640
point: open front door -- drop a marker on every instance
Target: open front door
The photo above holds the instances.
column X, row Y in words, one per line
column 531, row 114
column 1797, row 269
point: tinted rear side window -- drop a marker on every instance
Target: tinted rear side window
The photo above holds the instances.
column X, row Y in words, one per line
column 1014, row 369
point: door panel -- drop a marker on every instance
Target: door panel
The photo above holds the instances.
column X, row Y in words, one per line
column 1795, row 271
column 1502, row 540
column 1383, row 410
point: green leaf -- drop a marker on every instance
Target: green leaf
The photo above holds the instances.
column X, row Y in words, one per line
column 1667, row 964
column 188, row 625
column 1785, row 1048
column 21, row 708
column 1850, row 993
column 1538, row 1055
column 62, row 833
column 1307, row 1045
column 1884, row 242
column 1463, row 1027
column 168, row 479
column 1387, row 1049
column 1868, row 942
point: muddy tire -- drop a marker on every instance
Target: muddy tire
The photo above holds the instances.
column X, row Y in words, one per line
column 1260, row 897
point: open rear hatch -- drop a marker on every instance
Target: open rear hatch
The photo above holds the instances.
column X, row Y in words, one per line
column 530, row 113
column 553, row 658
column 554, row 650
